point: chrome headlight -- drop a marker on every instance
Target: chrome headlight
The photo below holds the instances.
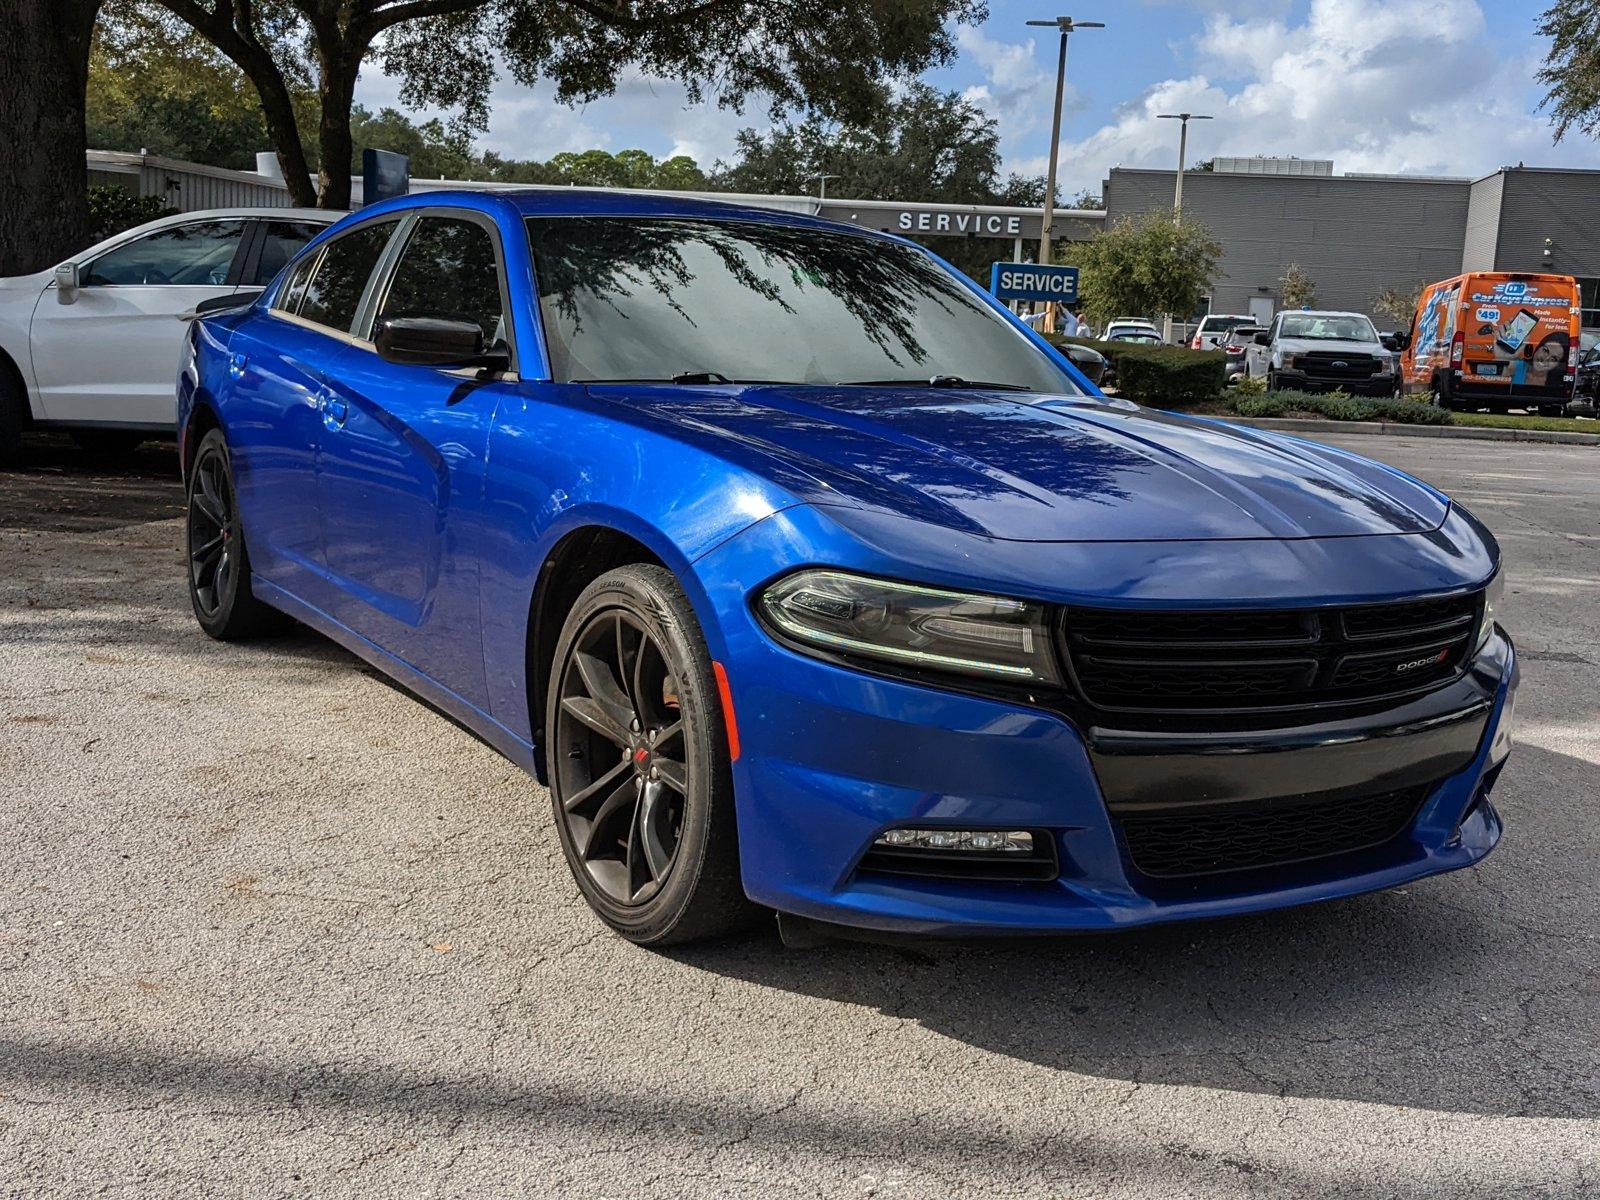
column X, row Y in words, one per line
column 914, row 626
column 1493, row 598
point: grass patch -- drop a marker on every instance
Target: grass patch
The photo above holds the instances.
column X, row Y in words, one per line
column 1507, row 421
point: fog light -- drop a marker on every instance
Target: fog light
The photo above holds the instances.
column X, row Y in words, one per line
column 990, row 840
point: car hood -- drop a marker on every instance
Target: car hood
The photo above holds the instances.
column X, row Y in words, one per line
column 1024, row 467
column 1329, row 345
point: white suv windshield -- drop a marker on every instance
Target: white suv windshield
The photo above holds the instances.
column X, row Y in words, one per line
column 633, row 299
column 1328, row 329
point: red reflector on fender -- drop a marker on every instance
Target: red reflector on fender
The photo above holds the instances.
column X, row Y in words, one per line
column 728, row 718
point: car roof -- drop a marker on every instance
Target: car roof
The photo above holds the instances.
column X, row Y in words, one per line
column 1321, row 312
column 604, row 202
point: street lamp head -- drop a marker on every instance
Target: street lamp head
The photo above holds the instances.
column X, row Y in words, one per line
column 1068, row 25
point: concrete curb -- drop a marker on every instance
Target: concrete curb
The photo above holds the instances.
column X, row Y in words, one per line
column 1387, row 429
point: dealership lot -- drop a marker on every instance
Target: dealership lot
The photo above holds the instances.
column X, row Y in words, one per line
column 270, row 926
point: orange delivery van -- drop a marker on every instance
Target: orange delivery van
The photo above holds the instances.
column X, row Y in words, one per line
column 1494, row 340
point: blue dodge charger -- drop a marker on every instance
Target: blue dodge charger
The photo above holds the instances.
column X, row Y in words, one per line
column 808, row 579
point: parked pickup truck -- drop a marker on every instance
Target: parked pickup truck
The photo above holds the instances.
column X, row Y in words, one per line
column 1321, row 351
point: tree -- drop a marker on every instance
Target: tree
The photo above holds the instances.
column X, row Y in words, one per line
column 44, row 214
column 829, row 55
column 1296, row 289
column 919, row 144
column 1145, row 266
column 1398, row 302
column 1084, row 199
column 1572, row 67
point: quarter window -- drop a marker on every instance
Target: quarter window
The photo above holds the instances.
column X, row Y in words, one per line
column 449, row 270
column 195, row 255
column 334, row 293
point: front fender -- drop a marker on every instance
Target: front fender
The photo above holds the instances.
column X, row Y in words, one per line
column 558, row 464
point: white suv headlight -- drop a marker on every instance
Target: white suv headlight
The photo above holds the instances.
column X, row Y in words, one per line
column 915, row 626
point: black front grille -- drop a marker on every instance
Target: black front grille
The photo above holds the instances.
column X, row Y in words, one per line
column 1174, row 662
column 1199, row 841
column 1329, row 365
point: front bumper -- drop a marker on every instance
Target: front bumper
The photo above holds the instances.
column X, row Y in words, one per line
column 1370, row 385
column 832, row 757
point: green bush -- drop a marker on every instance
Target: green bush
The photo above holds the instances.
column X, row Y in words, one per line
column 1161, row 376
column 1338, row 406
column 113, row 209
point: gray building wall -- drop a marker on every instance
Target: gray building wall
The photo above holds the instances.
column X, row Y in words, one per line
column 1354, row 236
column 1483, row 223
column 1563, row 206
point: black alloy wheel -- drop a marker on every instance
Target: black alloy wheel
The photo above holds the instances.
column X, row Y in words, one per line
column 213, row 526
column 639, row 762
column 219, row 565
column 624, row 789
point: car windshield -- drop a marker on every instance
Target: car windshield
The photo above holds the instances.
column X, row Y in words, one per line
column 708, row 301
column 1136, row 337
column 1328, row 329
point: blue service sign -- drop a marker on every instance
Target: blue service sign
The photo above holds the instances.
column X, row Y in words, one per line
column 1030, row 281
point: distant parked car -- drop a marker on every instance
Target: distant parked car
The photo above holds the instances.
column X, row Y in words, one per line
column 92, row 345
column 1586, row 391
column 1322, row 351
column 1123, row 325
column 1237, row 348
column 1216, row 328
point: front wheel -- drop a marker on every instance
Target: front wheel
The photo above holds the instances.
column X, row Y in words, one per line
column 219, row 564
column 640, row 776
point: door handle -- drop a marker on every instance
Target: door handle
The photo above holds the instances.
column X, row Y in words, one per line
column 237, row 364
column 334, row 409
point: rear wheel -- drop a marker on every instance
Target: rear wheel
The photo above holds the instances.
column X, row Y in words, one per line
column 219, row 564
column 108, row 443
column 640, row 779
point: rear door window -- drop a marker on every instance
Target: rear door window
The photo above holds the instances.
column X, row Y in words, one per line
column 280, row 241
column 333, row 296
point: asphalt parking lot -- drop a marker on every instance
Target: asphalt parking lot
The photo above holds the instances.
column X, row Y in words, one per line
column 268, row 927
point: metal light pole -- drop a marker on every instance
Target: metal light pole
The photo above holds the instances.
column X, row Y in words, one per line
column 1177, row 190
column 1183, row 155
column 822, row 184
column 1067, row 26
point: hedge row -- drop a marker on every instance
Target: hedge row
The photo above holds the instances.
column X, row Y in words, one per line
column 1161, row 375
column 1337, row 406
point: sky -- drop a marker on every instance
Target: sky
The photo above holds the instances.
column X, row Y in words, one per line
column 1427, row 86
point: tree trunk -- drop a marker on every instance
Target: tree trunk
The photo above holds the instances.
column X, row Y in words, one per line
column 337, row 92
column 44, row 79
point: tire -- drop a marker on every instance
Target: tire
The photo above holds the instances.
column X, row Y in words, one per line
column 615, row 814
column 219, row 562
column 1440, row 395
column 108, row 443
column 13, row 412
column 1272, row 381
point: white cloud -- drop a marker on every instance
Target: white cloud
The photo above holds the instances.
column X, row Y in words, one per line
column 1018, row 91
column 1375, row 85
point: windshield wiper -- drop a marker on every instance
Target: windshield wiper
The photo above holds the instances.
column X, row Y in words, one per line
column 939, row 381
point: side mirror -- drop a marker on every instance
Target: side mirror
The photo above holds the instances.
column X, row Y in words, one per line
column 429, row 341
column 1263, row 338
column 67, row 283
column 1402, row 341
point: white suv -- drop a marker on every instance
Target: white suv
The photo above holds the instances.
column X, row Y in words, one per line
column 92, row 345
column 1126, row 325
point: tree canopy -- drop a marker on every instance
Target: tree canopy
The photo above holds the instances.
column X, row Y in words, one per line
column 828, row 56
column 1145, row 266
column 1572, row 67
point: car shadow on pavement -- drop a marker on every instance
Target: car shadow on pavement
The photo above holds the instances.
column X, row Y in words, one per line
column 52, row 485
column 1471, row 992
